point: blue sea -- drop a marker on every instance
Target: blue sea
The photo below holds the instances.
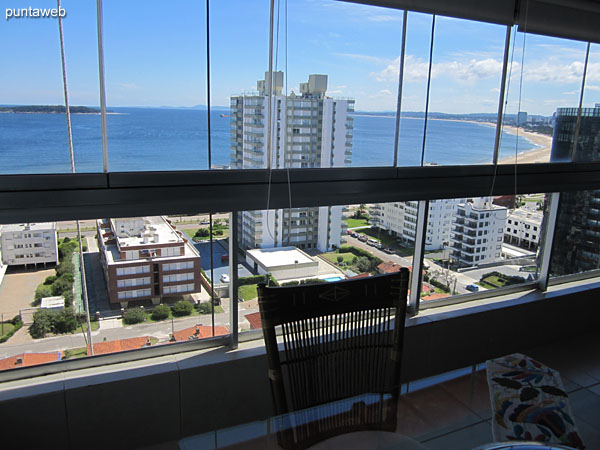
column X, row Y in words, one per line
column 150, row 139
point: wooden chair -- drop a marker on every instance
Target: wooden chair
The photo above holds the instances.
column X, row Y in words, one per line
column 339, row 371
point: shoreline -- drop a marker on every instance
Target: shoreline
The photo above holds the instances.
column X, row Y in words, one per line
column 536, row 155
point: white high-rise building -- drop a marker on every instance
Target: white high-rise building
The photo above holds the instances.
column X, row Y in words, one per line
column 307, row 130
column 478, row 232
column 400, row 219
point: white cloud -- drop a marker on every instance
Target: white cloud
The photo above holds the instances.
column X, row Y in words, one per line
column 592, row 87
column 416, row 69
column 365, row 58
column 386, row 92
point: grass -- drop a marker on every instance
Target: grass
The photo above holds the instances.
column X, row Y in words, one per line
column 247, row 292
column 7, row 328
column 494, row 281
column 191, row 232
column 75, row 353
column 333, row 257
column 354, row 223
column 94, row 323
column 485, row 285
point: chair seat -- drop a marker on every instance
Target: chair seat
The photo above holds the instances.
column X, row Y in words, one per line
column 360, row 440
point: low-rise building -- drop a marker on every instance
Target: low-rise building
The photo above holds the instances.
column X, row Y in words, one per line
column 146, row 258
column 478, row 232
column 523, row 228
column 29, row 244
column 28, row 360
column 284, row 263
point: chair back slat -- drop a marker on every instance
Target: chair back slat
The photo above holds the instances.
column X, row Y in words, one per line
column 341, row 340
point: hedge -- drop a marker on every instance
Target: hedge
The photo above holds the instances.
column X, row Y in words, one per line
column 257, row 279
column 508, row 279
column 359, row 252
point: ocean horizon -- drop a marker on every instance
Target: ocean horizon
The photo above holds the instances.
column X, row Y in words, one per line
column 155, row 139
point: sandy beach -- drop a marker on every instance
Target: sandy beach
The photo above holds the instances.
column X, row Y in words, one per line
column 537, row 155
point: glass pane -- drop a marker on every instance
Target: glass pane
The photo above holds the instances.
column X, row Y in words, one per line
column 239, row 37
column 156, row 86
column 543, row 79
column 414, row 89
column 147, row 280
column 464, row 95
column 471, row 244
column 33, row 128
column 576, row 245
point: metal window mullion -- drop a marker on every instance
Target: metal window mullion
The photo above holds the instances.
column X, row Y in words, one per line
column 417, row 263
column 546, row 251
column 578, row 124
column 233, row 278
column 99, row 25
column 501, row 98
column 400, row 84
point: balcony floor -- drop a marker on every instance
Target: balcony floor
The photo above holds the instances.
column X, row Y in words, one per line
column 452, row 411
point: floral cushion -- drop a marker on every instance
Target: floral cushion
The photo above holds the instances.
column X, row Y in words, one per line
column 529, row 402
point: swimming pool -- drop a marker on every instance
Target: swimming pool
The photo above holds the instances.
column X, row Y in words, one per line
column 333, row 279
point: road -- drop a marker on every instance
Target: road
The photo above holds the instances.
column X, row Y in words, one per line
column 160, row 330
column 402, row 260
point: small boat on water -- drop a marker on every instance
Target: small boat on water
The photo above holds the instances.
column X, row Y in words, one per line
column 224, row 115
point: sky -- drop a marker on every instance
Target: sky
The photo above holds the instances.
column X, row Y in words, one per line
column 155, row 55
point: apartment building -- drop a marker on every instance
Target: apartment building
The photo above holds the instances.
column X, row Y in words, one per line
column 146, row 258
column 29, row 244
column 400, row 219
column 478, row 232
column 523, row 228
column 307, row 130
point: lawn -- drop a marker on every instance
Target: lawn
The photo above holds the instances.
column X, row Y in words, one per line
column 354, row 223
column 380, row 236
column 95, row 325
column 75, row 353
column 333, row 257
column 191, row 232
column 247, row 292
column 6, row 328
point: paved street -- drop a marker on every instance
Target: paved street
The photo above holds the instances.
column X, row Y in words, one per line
column 160, row 330
column 402, row 260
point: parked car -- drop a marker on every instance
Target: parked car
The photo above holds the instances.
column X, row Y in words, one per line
column 205, row 222
column 354, row 234
column 388, row 250
column 472, row 287
column 350, row 232
column 363, row 238
column 372, row 242
column 224, row 278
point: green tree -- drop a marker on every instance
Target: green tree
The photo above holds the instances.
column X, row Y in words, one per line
column 42, row 323
column 340, row 259
column 364, row 264
column 134, row 315
column 204, row 308
column 49, row 280
column 64, row 283
column 65, row 267
column 43, row 290
column 160, row 312
column 64, row 321
column 202, row 232
column 182, row 308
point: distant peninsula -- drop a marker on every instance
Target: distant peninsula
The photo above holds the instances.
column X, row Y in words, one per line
column 49, row 109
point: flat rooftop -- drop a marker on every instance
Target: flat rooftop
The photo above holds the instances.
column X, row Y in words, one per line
column 156, row 227
column 280, row 256
column 38, row 226
column 526, row 214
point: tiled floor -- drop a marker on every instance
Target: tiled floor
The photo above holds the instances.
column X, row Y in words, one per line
column 455, row 413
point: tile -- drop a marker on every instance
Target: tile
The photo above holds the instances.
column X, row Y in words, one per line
column 585, row 406
column 473, row 391
column 590, row 434
column 432, row 412
column 462, row 439
column 595, row 389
